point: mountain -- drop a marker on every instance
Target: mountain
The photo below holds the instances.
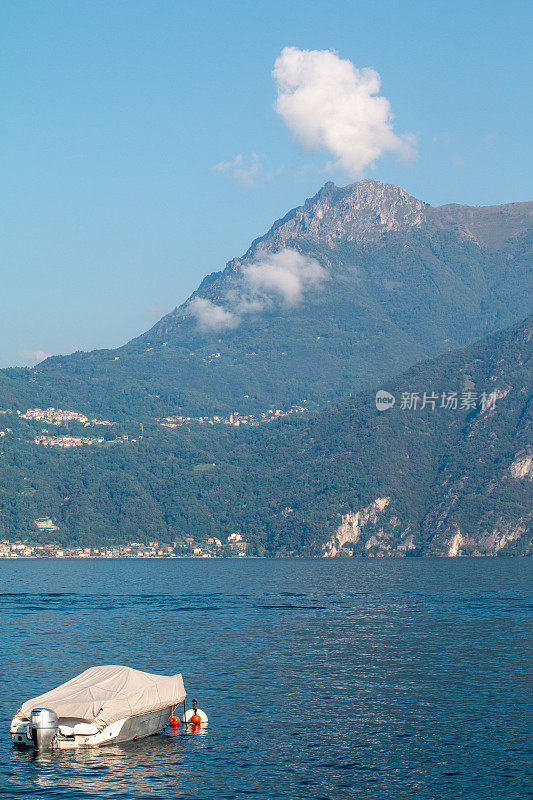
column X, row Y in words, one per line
column 354, row 286
column 421, row 477
column 416, row 480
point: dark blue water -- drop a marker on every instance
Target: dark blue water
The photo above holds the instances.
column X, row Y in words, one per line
column 380, row 679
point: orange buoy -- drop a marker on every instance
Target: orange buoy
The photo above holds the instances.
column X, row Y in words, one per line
column 174, row 722
column 196, row 719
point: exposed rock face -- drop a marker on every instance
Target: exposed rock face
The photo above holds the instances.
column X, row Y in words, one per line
column 522, row 467
column 361, row 212
column 485, row 535
column 501, row 535
column 489, row 543
column 353, row 526
column 370, row 532
column 455, row 545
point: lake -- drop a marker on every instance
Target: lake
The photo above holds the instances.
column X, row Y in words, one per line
column 348, row 678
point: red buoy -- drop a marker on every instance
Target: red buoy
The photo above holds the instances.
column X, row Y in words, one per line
column 174, row 722
column 196, row 719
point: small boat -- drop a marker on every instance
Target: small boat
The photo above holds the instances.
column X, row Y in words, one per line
column 103, row 705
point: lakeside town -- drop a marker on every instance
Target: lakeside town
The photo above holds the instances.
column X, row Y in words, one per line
column 234, row 546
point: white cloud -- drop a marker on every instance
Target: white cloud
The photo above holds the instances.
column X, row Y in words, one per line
column 210, row 316
column 287, row 274
column 32, row 357
column 245, row 170
column 283, row 277
column 330, row 105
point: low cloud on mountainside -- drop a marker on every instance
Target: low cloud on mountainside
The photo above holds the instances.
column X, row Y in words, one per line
column 210, row 316
column 287, row 274
column 271, row 278
column 328, row 104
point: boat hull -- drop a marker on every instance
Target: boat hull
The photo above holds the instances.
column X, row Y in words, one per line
column 124, row 730
column 144, row 725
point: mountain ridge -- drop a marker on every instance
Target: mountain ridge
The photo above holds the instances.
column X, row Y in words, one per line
column 387, row 208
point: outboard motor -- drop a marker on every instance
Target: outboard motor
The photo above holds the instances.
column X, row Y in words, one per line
column 43, row 727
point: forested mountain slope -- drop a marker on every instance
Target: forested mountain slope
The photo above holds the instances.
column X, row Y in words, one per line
column 426, row 476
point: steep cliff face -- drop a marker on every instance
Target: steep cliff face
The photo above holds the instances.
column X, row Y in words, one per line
column 356, row 525
column 522, row 466
column 362, row 212
column 365, row 211
column 492, row 542
column 373, row 531
column 495, row 528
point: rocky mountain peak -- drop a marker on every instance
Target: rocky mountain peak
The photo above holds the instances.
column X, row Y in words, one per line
column 359, row 212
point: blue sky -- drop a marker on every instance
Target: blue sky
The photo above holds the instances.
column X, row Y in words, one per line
column 116, row 114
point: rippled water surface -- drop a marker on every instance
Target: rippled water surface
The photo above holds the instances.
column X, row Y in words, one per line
column 322, row 679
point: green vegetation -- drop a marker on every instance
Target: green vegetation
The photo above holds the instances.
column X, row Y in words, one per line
column 286, row 485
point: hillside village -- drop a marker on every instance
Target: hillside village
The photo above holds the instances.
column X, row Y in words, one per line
column 72, row 441
column 234, row 418
column 61, row 417
column 57, row 416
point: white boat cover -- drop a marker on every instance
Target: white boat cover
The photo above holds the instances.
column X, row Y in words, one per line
column 105, row 694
